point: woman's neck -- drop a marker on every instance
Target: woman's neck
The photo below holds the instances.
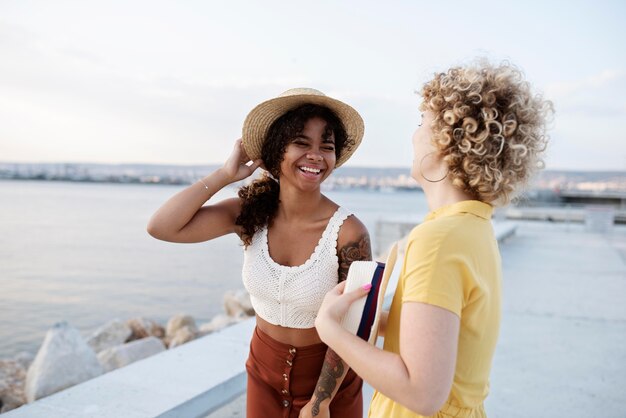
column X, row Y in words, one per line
column 295, row 204
column 443, row 194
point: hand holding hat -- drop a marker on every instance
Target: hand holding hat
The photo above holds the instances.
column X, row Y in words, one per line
column 346, row 306
column 335, row 305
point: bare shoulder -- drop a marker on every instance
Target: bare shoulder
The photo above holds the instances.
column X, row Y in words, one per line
column 353, row 244
column 351, row 230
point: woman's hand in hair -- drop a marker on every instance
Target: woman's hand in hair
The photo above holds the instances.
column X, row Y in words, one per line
column 236, row 166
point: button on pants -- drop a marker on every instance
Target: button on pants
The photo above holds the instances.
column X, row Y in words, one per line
column 282, row 379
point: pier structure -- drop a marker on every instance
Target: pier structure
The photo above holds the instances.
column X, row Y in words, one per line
column 601, row 197
column 560, row 352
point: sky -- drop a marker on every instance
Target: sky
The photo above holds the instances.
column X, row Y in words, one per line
column 172, row 81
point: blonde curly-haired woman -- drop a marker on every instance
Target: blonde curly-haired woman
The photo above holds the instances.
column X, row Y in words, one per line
column 481, row 138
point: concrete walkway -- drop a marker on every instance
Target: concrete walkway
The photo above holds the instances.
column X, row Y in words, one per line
column 562, row 347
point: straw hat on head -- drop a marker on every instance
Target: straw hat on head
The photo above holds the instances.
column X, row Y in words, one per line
column 260, row 119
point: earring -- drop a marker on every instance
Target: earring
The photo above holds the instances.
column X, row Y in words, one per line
column 422, row 172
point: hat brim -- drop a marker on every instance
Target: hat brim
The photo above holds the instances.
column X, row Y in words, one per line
column 260, row 119
column 360, row 273
column 389, row 265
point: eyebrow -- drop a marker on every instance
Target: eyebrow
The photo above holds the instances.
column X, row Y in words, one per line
column 330, row 138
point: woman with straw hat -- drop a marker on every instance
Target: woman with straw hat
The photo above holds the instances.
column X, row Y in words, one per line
column 481, row 138
column 298, row 244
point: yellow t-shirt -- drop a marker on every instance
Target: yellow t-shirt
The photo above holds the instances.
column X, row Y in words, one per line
column 452, row 261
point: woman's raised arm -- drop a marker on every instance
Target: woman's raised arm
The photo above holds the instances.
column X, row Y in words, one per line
column 183, row 218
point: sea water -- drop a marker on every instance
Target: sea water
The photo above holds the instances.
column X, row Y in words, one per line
column 80, row 252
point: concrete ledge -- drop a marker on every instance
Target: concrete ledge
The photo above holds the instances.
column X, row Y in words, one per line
column 192, row 380
column 504, row 230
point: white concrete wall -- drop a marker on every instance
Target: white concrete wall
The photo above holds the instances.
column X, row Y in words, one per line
column 189, row 381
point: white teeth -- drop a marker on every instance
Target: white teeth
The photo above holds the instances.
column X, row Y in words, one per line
column 310, row 170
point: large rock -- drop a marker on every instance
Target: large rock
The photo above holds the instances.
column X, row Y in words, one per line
column 182, row 336
column 143, row 327
column 218, row 322
column 63, row 360
column 109, row 335
column 12, row 377
column 178, row 322
column 237, row 303
column 123, row 355
column 25, row 358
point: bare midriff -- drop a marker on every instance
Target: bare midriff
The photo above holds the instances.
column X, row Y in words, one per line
column 293, row 336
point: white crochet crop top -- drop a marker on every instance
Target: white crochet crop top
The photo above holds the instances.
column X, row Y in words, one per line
column 291, row 296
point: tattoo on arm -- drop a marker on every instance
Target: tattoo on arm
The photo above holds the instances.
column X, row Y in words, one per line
column 352, row 251
column 332, row 370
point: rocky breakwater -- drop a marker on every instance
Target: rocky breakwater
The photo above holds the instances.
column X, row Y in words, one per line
column 66, row 358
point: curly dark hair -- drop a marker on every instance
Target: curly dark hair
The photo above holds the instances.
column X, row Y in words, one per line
column 259, row 200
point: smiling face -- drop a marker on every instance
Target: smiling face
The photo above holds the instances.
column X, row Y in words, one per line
column 310, row 157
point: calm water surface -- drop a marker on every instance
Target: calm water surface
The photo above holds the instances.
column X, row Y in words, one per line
column 80, row 252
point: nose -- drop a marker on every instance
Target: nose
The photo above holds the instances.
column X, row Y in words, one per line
column 314, row 155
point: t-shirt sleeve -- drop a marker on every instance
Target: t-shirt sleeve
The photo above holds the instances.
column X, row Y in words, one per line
column 433, row 274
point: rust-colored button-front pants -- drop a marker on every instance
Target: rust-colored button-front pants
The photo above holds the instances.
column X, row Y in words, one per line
column 282, row 378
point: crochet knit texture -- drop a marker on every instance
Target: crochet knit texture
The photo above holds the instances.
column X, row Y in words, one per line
column 291, row 296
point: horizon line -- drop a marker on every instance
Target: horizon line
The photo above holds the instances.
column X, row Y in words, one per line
column 594, row 170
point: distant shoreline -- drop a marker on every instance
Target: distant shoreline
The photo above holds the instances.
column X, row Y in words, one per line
column 170, row 182
column 547, row 182
column 91, row 180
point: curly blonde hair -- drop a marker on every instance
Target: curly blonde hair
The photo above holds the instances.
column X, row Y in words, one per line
column 489, row 127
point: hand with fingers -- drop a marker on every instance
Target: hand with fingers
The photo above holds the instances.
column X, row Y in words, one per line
column 238, row 166
column 335, row 305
